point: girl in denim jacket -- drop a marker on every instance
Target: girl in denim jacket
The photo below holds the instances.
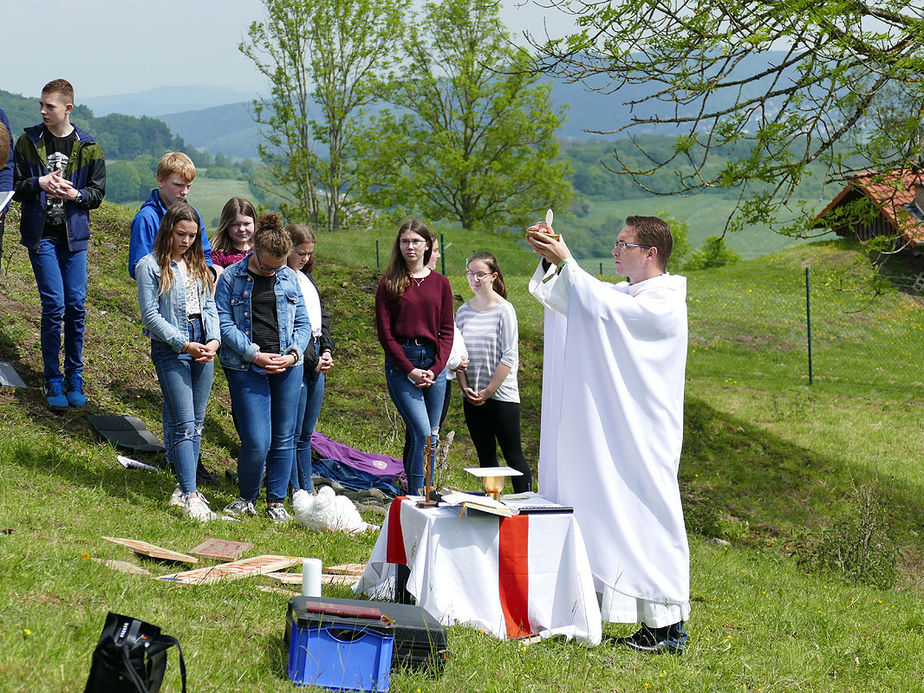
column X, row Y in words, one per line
column 176, row 297
column 265, row 330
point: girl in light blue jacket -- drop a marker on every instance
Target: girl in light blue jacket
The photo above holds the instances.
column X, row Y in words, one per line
column 176, row 295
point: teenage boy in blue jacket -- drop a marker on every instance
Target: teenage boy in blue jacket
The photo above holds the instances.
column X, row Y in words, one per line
column 175, row 175
column 59, row 175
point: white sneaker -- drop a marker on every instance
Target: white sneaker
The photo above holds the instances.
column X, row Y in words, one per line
column 178, row 499
column 240, row 507
column 278, row 513
column 197, row 509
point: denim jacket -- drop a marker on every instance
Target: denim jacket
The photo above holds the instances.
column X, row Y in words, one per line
column 232, row 298
column 164, row 316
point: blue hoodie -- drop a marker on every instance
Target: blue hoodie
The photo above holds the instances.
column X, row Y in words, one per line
column 144, row 229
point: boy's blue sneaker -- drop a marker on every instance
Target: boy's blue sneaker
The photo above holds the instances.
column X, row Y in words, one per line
column 73, row 388
column 54, row 394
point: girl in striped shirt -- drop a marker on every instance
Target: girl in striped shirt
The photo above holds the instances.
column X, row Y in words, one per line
column 488, row 324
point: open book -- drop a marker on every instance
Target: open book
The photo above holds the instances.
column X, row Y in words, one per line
column 484, row 504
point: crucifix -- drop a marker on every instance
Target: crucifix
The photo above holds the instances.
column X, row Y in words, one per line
column 428, row 468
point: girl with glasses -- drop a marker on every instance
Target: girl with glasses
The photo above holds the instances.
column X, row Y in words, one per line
column 175, row 295
column 413, row 318
column 265, row 330
column 488, row 324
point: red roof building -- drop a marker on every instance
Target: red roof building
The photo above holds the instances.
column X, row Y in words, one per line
column 899, row 199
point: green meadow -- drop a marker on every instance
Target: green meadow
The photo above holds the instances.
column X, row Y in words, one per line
column 209, row 195
column 804, row 503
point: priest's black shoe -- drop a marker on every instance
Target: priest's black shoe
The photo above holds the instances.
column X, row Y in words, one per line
column 667, row 640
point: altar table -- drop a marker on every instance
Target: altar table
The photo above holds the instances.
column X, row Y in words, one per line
column 513, row 577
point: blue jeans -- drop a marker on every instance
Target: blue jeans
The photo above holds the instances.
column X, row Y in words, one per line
column 262, row 406
column 309, row 407
column 186, row 386
column 419, row 407
column 61, row 277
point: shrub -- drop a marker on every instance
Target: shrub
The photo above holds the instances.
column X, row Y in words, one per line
column 713, row 253
column 857, row 545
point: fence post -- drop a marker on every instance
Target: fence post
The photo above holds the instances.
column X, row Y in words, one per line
column 808, row 324
column 601, row 271
column 378, row 265
column 443, row 254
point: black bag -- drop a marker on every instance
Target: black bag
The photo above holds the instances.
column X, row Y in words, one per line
column 131, row 656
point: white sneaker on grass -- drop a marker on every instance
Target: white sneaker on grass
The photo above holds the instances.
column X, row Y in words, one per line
column 240, row 507
column 197, row 509
column 278, row 513
column 178, row 499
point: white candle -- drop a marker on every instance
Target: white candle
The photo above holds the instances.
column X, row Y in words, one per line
column 311, row 577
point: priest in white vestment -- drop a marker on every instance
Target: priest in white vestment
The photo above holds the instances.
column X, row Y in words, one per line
column 612, row 423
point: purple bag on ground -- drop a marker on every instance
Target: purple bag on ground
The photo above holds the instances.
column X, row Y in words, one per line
column 355, row 469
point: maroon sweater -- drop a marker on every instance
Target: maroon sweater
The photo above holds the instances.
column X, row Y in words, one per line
column 423, row 311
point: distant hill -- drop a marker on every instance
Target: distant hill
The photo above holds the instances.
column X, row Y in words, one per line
column 228, row 128
column 157, row 102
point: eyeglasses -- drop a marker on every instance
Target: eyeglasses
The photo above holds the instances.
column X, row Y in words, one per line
column 478, row 276
column 622, row 245
column 408, row 242
column 264, row 268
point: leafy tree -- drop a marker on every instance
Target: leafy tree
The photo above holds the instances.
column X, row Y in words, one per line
column 122, row 181
column 713, row 253
column 682, row 250
column 774, row 86
column 469, row 135
column 320, row 57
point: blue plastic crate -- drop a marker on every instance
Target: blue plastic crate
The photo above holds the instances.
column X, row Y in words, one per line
column 340, row 657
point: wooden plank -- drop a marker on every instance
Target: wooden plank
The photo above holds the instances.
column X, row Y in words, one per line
column 153, row 551
column 221, row 549
column 345, row 580
column 124, row 567
column 258, row 565
column 346, row 569
column 278, row 590
column 296, row 579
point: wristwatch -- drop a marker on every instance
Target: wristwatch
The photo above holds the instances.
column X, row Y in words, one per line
column 79, row 197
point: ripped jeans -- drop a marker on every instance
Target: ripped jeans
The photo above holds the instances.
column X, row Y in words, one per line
column 185, row 386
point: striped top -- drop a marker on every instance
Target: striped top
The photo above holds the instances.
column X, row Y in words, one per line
column 491, row 338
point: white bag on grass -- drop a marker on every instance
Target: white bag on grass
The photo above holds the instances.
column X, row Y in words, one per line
column 327, row 510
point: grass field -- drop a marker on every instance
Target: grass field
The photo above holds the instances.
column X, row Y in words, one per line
column 778, row 469
column 209, row 195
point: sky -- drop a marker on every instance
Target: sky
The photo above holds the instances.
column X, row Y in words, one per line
column 109, row 47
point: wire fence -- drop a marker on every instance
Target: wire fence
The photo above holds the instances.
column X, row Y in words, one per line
column 794, row 325
column 787, row 324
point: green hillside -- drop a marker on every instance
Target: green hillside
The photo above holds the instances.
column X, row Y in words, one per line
column 790, row 476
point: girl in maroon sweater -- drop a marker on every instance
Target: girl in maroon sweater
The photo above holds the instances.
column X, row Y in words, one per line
column 414, row 321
